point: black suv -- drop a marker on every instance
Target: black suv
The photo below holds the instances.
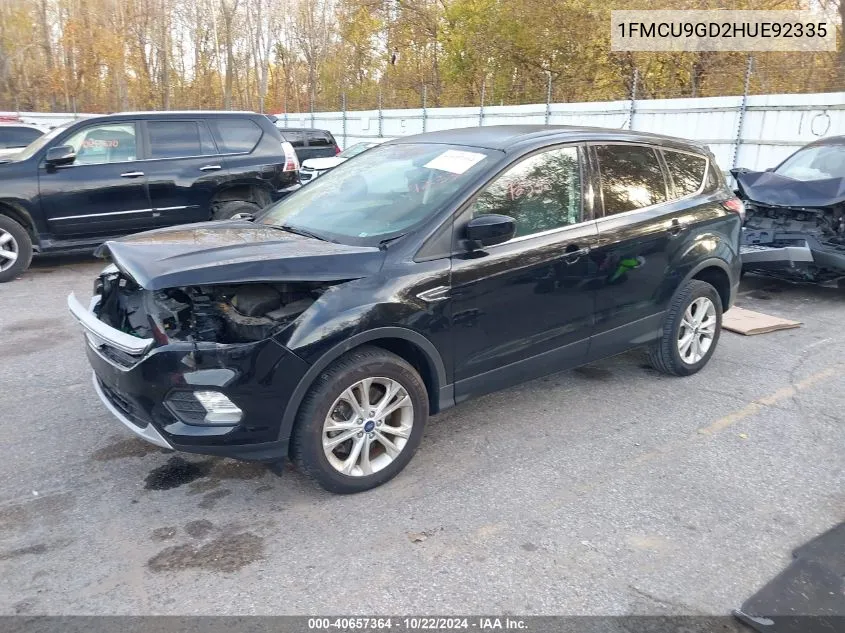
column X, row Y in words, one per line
column 424, row 272
column 108, row 176
column 310, row 143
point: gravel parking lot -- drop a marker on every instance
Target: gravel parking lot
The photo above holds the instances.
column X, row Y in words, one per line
column 606, row 490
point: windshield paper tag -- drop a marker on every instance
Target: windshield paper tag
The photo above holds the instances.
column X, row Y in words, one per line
column 455, row 161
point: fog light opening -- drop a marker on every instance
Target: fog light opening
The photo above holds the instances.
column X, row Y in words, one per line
column 219, row 409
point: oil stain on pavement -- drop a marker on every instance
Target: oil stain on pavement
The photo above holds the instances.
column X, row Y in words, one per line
column 226, row 553
column 176, row 472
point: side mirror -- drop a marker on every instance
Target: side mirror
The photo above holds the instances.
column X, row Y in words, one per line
column 60, row 155
column 488, row 230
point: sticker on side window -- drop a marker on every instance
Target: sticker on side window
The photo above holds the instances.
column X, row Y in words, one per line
column 455, row 161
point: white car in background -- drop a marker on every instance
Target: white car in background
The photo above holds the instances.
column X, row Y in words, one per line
column 314, row 167
column 16, row 135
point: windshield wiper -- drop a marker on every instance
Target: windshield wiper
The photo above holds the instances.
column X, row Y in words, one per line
column 303, row 232
column 383, row 243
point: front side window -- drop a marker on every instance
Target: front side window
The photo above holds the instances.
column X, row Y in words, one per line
column 382, row 194
column 541, row 193
column 687, row 171
column 109, row 143
column 815, row 163
column 11, row 136
column 631, row 178
column 179, row 139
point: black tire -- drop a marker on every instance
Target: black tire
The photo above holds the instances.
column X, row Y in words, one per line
column 225, row 210
column 664, row 354
column 20, row 243
column 307, row 437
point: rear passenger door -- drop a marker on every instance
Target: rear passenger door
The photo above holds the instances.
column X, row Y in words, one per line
column 644, row 217
column 184, row 170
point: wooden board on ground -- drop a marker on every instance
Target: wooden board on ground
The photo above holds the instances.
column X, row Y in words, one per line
column 749, row 322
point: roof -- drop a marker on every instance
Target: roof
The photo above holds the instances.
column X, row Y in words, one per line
column 503, row 137
column 34, row 126
column 829, row 140
column 182, row 112
column 301, row 129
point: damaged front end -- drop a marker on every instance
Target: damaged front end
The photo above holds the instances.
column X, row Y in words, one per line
column 197, row 368
column 223, row 314
column 794, row 230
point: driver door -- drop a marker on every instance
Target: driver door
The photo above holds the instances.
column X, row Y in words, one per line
column 524, row 308
column 104, row 191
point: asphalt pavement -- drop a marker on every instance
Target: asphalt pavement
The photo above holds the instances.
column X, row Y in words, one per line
column 607, row 490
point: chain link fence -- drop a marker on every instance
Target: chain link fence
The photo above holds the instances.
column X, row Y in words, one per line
column 703, row 75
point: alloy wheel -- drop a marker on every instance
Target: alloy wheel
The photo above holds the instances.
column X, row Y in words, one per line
column 368, row 426
column 9, row 250
column 697, row 330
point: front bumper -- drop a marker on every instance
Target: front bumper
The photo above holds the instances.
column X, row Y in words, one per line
column 147, row 432
column 762, row 250
column 141, row 389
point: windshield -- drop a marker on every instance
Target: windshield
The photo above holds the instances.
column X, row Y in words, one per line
column 41, row 141
column 815, row 163
column 378, row 196
column 354, row 150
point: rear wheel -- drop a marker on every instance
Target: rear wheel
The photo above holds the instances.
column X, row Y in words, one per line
column 225, row 210
column 15, row 249
column 691, row 330
column 361, row 422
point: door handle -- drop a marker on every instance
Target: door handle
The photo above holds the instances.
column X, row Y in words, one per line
column 210, row 167
column 570, row 257
column 131, row 174
column 676, row 227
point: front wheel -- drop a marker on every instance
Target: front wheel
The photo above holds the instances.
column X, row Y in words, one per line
column 361, row 422
column 15, row 249
column 691, row 330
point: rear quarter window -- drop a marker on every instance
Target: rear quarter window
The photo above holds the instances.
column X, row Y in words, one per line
column 236, row 136
column 688, row 171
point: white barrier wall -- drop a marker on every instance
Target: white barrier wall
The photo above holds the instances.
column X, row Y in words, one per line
column 773, row 126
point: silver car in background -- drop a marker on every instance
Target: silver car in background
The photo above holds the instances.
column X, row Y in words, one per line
column 314, row 167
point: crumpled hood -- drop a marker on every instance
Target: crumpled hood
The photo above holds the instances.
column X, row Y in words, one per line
column 235, row 252
column 773, row 189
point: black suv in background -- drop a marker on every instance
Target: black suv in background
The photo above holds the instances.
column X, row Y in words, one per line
column 442, row 267
column 108, row 176
column 310, row 143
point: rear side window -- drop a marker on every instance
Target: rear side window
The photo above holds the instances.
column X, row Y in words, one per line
column 179, row 139
column 687, row 171
column 11, row 136
column 631, row 177
column 236, row 136
column 296, row 139
column 319, row 139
